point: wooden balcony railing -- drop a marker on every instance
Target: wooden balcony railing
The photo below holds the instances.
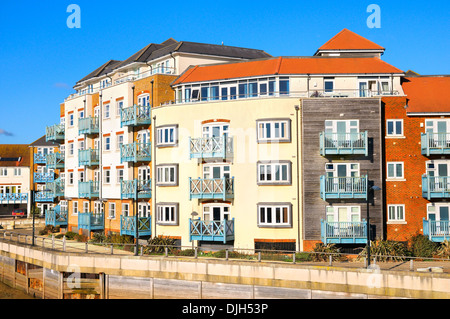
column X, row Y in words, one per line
column 212, row 188
column 216, row 231
column 128, row 226
column 136, row 115
column 211, row 147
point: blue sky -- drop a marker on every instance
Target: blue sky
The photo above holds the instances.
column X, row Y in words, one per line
column 41, row 58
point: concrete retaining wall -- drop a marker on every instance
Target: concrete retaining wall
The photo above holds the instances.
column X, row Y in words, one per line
column 160, row 277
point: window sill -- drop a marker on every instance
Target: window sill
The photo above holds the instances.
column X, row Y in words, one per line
column 396, row 222
column 396, row 180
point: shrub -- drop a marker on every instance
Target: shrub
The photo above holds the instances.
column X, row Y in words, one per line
column 70, row 235
column 157, row 244
column 386, row 250
column 421, row 246
column 444, row 250
column 49, row 229
column 322, row 253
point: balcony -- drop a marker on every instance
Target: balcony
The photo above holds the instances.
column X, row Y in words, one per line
column 91, row 221
column 55, row 161
column 88, row 126
column 56, row 187
column 13, row 198
column 435, row 143
column 44, row 197
column 211, row 188
column 215, row 231
column 343, row 187
column 55, row 132
column 435, row 186
column 436, row 231
column 128, row 189
column 89, row 189
column 136, row 115
column 128, row 226
column 343, row 232
column 90, row 157
column 43, row 177
column 211, row 147
column 56, row 217
column 40, row 158
column 344, row 143
column 136, row 152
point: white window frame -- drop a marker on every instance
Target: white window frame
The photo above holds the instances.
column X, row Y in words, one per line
column 125, row 209
column 271, row 210
column 120, row 105
column 107, row 143
column 171, row 140
column 394, row 123
column 275, row 127
column 333, row 211
column 119, row 141
column 71, row 178
column 143, row 209
column 106, row 111
column 163, row 173
column 273, row 169
column 107, row 176
column 74, row 208
column 396, row 213
column 163, row 209
column 120, row 175
column 111, row 210
column 395, row 177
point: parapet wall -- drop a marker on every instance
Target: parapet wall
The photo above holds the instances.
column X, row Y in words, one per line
column 64, row 275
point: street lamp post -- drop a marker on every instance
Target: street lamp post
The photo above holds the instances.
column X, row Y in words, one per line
column 369, row 191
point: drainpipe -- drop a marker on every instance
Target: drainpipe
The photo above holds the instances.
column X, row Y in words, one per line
column 100, row 154
column 153, row 162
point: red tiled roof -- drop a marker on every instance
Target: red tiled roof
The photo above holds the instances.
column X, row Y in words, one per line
column 8, row 152
column 348, row 40
column 285, row 66
column 427, row 94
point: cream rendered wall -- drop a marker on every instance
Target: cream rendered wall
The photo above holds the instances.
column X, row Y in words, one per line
column 242, row 115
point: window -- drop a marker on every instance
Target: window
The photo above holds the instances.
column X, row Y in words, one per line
column 328, row 85
column 85, row 207
column 396, row 213
column 120, row 175
column 107, row 146
column 71, row 178
column 81, row 145
column 71, row 149
column 143, row 209
column 119, row 142
column 346, row 214
column 274, row 173
column 74, row 208
column 394, row 127
column 274, row 215
column 144, row 100
column 81, row 176
column 167, row 214
column 274, row 130
column 112, row 211
column 125, row 209
column 106, row 111
column 3, row 171
column 119, row 107
column 167, row 175
column 395, row 170
column 341, row 126
column 107, row 176
column 71, row 116
column 17, row 171
column 167, row 136
column 284, row 86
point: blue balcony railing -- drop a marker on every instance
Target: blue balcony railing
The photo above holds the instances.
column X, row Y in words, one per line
column 343, row 232
column 136, row 152
column 91, row 221
column 435, row 143
column 437, row 231
column 90, row 189
column 211, row 147
column 343, row 187
column 89, row 125
column 43, row 177
column 136, row 115
column 56, row 217
column 56, row 187
column 344, row 143
column 215, row 231
column 55, row 132
column 13, row 198
column 40, row 158
column 128, row 189
column 212, row 188
column 435, row 186
column 55, row 161
column 90, row 157
column 128, row 226
column 44, row 197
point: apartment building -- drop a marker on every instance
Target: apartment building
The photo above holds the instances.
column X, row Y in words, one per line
column 275, row 153
column 14, row 178
column 417, row 157
column 105, row 133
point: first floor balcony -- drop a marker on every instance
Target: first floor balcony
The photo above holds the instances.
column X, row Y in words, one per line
column 128, row 226
column 344, row 143
column 40, row 158
column 211, row 230
column 88, row 126
column 141, row 188
column 91, row 221
column 56, row 217
column 437, row 231
column 55, row 133
column 90, row 189
column 136, row 115
column 44, row 197
column 211, row 147
column 13, row 198
column 435, row 186
column 435, row 143
column 90, row 157
column 43, row 177
column 55, row 161
column 343, row 232
column 211, row 188
column 56, row 187
column 136, row 152
column 343, row 187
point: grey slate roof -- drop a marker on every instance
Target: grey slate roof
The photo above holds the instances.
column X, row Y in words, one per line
column 42, row 142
